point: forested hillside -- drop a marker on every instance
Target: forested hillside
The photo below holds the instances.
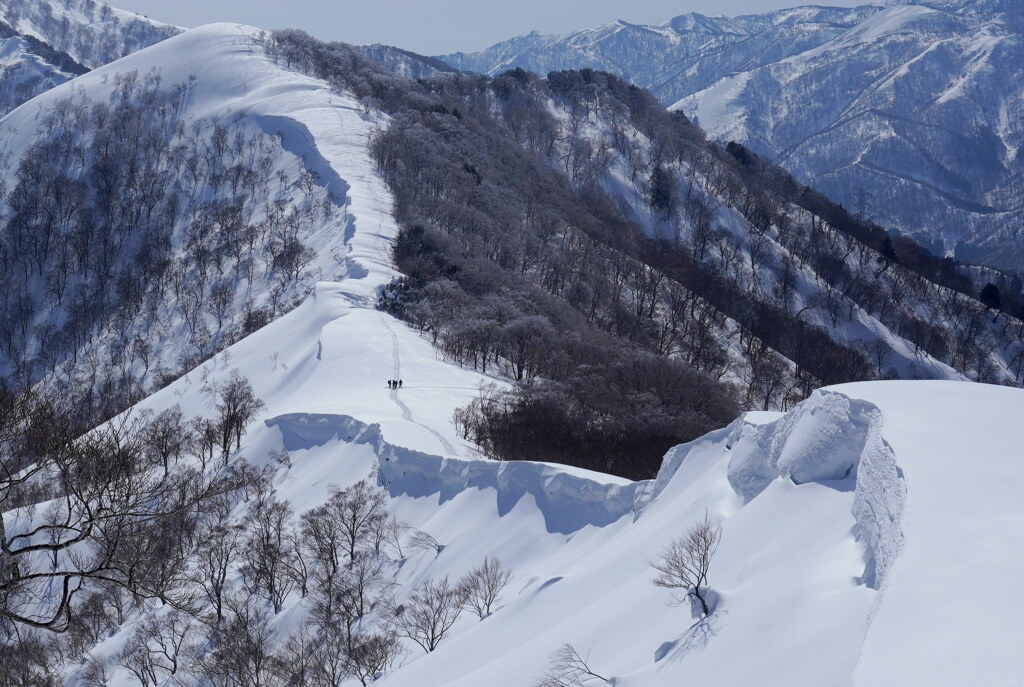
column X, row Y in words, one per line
column 902, row 112
column 92, row 33
column 567, row 233
column 304, row 363
column 44, row 43
column 543, row 215
column 148, row 220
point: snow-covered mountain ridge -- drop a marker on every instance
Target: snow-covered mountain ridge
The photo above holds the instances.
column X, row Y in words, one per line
column 843, row 520
column 901, row 112
column 256, row 218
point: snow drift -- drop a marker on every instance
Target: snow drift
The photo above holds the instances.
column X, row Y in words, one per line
column 844, row 521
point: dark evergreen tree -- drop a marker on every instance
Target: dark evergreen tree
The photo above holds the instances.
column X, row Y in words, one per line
column 990, row 297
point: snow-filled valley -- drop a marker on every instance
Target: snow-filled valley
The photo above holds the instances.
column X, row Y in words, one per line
column 870, row 534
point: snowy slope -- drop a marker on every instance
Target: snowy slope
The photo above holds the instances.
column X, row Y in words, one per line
column 45, row 43
column 24, row 72
column 848, row 523
column 315, row 132
column 327, row 133
column 92, row 33
column 909, row 105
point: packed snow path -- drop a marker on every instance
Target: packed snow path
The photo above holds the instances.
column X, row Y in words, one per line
column 406, row 413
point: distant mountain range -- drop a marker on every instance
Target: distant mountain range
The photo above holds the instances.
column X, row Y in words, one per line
column 903, row 113
column 44, row 43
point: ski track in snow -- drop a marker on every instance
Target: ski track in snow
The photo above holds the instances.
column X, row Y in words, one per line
column 406, row 413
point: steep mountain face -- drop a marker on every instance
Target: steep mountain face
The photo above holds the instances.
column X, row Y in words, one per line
column 149, row 222
column 29, row 67
column 685, row 55
column 404, row 62
column 44, row 43
column 903, row 113
column 92, row 33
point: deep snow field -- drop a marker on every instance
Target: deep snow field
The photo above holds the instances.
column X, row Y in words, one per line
column 870, row 536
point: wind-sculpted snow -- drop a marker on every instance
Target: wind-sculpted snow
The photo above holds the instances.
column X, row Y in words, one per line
column 815, row 538
column 878, row 503
column 819, row 440
column 834, row 439
column 568, row 501
column 849, row 524
column 830, row 438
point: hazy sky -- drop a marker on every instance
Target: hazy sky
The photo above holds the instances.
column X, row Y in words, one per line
column 436, row 27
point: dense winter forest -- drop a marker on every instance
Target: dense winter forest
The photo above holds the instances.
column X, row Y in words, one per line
column 137, row 242
column 631, row 274
column 898, row 109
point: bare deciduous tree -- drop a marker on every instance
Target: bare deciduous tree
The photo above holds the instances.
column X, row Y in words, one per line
column 114, row 521
column 482, row 586
column 430, row 613
column 267, row 551
column 374, row 654
column 684, row 563
column 237, row 405
column 157, row 648
column 166, row 437
column 239, row 651
column 358, row 509
column 421, row 541
column 96, row 672
column 567, row 668
column 220, row 543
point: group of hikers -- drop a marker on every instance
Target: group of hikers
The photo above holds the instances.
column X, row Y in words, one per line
column 394, row 383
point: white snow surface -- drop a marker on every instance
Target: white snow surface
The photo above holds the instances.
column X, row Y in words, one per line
column 850, row 524
column 870, row 536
